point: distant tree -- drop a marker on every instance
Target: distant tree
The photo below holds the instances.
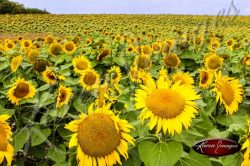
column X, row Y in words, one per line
column 8, row 7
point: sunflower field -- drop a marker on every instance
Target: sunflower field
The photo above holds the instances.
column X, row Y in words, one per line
column 131, row 90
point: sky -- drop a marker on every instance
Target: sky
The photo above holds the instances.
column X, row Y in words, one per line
column 210, row 7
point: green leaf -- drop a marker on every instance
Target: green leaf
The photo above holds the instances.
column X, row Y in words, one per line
column 6, row 111
column 194, row 159
column 38, row 135
column 134, row 158
column 234, row 159
column 44, row 87
column 121, row 61
column 161, row 154
column 45, row 99
column 57, row 154
column 20, row 138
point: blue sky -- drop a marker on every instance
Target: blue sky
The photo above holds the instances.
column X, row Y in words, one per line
column 211, row 7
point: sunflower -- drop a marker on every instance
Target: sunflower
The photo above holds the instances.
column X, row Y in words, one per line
column 40, row 65
column 167, row 46
column 80, row 64
column 135, row 75
column 15, row 63
column 146, row 49
column 172, row 61
column 55, row 49
column 115, row 74
column 214, row 45
column 143, row 62
column 100, row 137
column 246, row 145
column 9, row 45
column 130, row 49
column 138, row 49
column 198, row 40
column 162, row 74
column 229, row 91
column 63, row 97
column 26, row 44
column 21, row 89
column 156, row 47
column 183, row 78
column 246, row 60
column 167, row 108
column 118, row 38
column 102, row 95
column 104, row 52
column 206, row 78
column 90, row 79
column 33, row 54
column 69, row 47
column 230, row 44
column 49, row 39
column 50, row 77
column 6, row 149
column 213, row 62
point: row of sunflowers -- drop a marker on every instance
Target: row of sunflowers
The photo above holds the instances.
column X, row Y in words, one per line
column 108, row 97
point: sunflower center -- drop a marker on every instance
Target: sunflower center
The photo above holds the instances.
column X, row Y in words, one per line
column 81, row 65
column 21, row 90
column 97, row 135
column 3, row 139
column 51, row 76
column 171, row 61
column 89, row 78
column 9, row 45
column 69, row 46
column 62, row 96
column 204, row 77
column 156, row 48
column 227, row 92
column 213, row 63
column 165, row 103
column 143, row 62
column 26, row 44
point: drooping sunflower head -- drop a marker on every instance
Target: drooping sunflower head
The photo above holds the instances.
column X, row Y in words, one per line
column 6, row 149
column 55, row 49
column 80, row 64
column 198, row 40
column 213, row 62
column 63, row 97
column 183, row 78
column 104, row 52
column 168, row 108
column 143, row 62
column 21, row 89
column 90, row 79
column 114, row 74
column 172, row 60
column 229, row 92
column 167, row 46
column 246, row 60
column 69, row 47
column 135, row 74
column 100, row 137
column 15, row 63
column 40, row 65
column 49, row 39
column 206, row 78
column 33, row 54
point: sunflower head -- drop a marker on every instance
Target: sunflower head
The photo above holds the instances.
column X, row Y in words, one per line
column 198, row 40
column 183, row 78
column 49, row 39
column 103, row 53
column 90, row 79
column 130, row 49
column 214, row 45
column 40, row 65
column 100, row 137
column 26, row 44
column 135, row 74
column 33, row 54
column 165, row 105
column 51, row 77
column 143, row 62
column 167, row 46
column 80, row 64
column 172, row 60
column 146, row 49
column 69, row 47
column 206, row 78
column 213, row 62
column 156, row 47
column 6, row 149
column 55, row 49
column 20, row 90
column 229, row 92
column 9, row 46
column 63, row 97
column 246, row 60
column 15, row 63
column 114, row 74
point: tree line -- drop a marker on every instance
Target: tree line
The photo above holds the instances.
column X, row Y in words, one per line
column 9, row 7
